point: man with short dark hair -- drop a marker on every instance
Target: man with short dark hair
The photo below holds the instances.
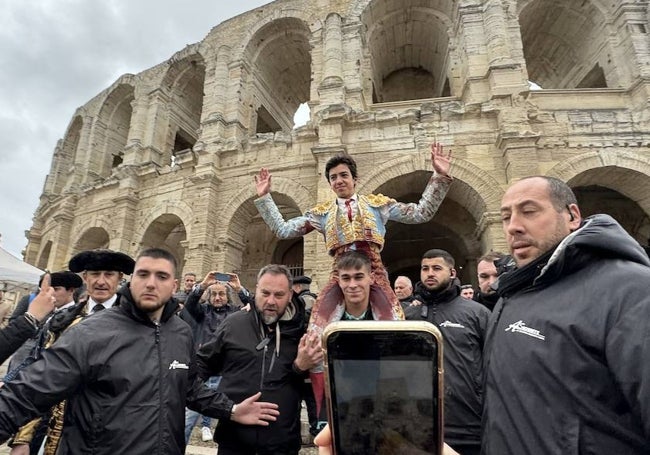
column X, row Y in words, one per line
column 487, row 274
column 467, row 291
column 264, row 349
column 126, row 373
column 463, row 325
column 567, row 350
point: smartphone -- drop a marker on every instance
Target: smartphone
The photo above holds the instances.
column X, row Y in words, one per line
column 384, row 387
column 219, row 276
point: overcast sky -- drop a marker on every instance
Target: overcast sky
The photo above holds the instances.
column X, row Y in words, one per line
column 55, row 55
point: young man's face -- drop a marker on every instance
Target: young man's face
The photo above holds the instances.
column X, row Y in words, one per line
column 436, row 274
column 62, row 295
column 531, row 223
column 487, row 274
column 467, row 293
column 272, row 295
column 341, row 181
column 355, row 285
column 153, row 284
column 101, row 285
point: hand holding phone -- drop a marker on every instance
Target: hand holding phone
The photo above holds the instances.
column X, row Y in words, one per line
column 384, row 387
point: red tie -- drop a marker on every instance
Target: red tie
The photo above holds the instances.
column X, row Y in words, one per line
column 349, row 207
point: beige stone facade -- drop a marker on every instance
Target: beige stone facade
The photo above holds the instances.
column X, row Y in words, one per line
column 166, row 157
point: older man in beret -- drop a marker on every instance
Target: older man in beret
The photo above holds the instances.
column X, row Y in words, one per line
column 102, row 271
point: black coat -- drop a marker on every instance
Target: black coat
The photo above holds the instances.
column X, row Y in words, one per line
column 14, row 335
column 127, row 382
column 242, row 352
column 207, row 317
column 463, row 324
column 568, row 350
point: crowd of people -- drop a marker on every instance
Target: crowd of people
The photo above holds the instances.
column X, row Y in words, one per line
column 547, row 356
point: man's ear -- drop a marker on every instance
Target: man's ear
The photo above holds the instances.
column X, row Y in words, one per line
column 452, row 273
column 175, row 286
column 575, row 218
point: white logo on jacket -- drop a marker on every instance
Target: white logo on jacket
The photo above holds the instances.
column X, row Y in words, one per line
column 520, row 327
column 177, row 365
column 452, row 324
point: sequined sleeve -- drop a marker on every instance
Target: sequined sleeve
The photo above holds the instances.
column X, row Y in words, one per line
column 295, row 227
column 427, row 206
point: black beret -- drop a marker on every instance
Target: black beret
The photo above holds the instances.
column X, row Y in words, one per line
column 302, row 279
column 65, row 279
column 102, row 260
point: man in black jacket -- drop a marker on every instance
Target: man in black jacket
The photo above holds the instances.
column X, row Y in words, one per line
column 265, row 350
column 127, row 373
column 463, row 325
column 487, row 274
column 567, row 351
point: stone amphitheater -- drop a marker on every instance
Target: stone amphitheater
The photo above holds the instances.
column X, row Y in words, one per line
column 166, row 157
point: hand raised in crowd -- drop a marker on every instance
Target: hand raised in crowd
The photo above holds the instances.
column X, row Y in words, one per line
column 43, row 303
column 310, row 352
column 234, row 282
column 253, row 412
column 441, row 162
column 263, row 182
column 415, row 303
column 323, row 441
column 209, row 280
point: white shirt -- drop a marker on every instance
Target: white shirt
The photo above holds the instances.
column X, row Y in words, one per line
column 354, row 205
column 107, row 304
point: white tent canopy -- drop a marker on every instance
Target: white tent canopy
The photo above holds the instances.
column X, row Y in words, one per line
column 16, row 275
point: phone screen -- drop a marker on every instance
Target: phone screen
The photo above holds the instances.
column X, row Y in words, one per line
column 222, row 277
column 384, row 392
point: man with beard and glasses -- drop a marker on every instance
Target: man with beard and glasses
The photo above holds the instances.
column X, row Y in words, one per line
column 126, row 373
column 265, row 350
column 568, row 346
column 463, row 325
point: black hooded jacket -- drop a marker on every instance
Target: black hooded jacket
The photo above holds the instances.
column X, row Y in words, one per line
column 246, row 353
column 568, row 349
column 126, row 380
column 463, row 325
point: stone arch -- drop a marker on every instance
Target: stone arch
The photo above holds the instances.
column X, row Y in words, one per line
column 618, row 180
column 409, row 43
column 179, row 209
column 184, row 81
column 167, row 231
column 566, row 44
column 44, row 256
column 111, row 130
column 457, row 226
column 66, row 155
column 250, row 243
column 484, row 191
column 92, row 238
column 97, row 221
column 278, row 55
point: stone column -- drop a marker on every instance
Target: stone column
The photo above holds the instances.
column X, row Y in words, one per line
column 331, row 87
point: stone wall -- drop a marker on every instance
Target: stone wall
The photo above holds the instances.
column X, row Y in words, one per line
column 167, row 156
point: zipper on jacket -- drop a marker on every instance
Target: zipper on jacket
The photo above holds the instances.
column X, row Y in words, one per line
column 266, row 349
column 160, row 382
